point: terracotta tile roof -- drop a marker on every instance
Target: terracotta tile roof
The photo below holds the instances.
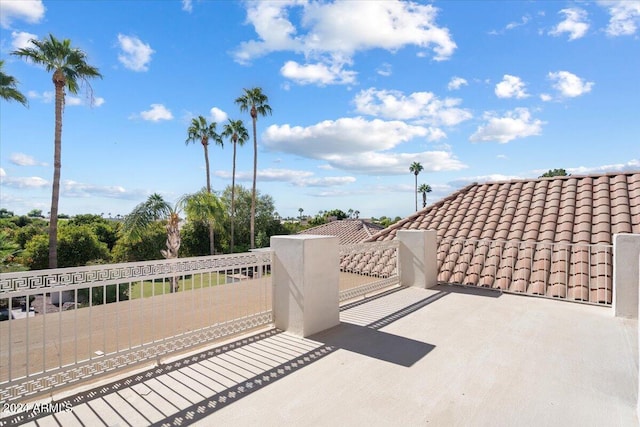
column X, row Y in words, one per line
column 500, row 234
column 348, row 230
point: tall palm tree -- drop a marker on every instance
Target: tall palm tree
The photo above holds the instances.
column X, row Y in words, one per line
column 238, row 134
column 254, row 101
column 424, row 189
column 416, row 168
column 70, row 70
column 201, row 131
column 9, row 88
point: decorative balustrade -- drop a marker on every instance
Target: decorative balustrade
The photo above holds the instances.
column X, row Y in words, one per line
column 367, row 267
column 107, row 317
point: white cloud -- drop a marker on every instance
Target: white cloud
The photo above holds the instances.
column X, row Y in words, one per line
column 319, row 73
column 345, row 135
column 515, row 124
column 156, row 113
column 22, row 159
column 511, row 87
column 217, row 115
column 387, row 163
column 423, row 107
column 327, row 181
column 385, row 69
column 21, row 182
column 545, row 97
column 569, row 85
column 77, row 189
column 296, row 177
column 187, row 5
column 515, row 24
column 625, row 16
column 21, row 39
column 456, row 83
column 358, row 145
column 575, row 23
column 329, row 34
column 31, row 11
column 135, row 55
column 511, row 25
column 631, row 165
column 502, row 157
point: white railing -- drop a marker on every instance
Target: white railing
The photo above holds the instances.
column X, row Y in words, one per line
column 575, row 272
column 368, row 267
column 108, row 317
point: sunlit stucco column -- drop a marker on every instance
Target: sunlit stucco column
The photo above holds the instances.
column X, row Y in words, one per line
column 305, row 275
column 626, row 250
column 417, row 258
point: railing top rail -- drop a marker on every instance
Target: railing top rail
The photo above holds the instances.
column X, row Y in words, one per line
column 367, row 247
column 112, row 273
column 525, row 242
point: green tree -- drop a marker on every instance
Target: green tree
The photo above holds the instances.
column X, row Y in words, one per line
column 70, row 68
column 201, row 131
column 4, row 213
column 78, row 246
column 266, row 222
column 105, row 230
column 416, row 168
column 146, row 247
column 35, row 213
column 554, row 172
column 337, row 213
column 204, row 207
column 9, row 88
column 254, row 101
column 424, row 189
column 238, row 134
column 8, row 251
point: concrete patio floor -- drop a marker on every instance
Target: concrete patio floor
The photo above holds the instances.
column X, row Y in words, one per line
column 447, row 356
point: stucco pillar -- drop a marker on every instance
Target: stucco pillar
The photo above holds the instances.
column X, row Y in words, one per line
column 626, row 251
column 417, row 258
column 305, row 275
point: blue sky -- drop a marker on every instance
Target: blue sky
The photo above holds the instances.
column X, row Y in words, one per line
column 473, row 90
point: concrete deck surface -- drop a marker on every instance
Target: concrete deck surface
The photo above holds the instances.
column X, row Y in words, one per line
column 448, row 356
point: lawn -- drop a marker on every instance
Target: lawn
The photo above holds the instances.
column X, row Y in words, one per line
column 159, row 287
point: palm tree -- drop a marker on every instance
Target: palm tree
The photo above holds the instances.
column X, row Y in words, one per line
column 70, row 69
column 201, row 206
column 300, row 210
column 238, row 134
column 424, row 189
column 254, row 101
column 416, row 168
column 9, row 88
column 155, row 208
column 201, row 131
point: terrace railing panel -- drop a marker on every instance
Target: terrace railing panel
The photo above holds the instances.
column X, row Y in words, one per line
column 114, row 316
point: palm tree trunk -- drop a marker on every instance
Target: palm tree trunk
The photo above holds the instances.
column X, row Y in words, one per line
column 424, row 200
column 416, row 192
column 253, row 189
column 59, row 82
column 173, row 245
column 233, row 194
column 212, row 248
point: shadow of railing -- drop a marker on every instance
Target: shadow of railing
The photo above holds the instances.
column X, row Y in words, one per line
column 185, row 391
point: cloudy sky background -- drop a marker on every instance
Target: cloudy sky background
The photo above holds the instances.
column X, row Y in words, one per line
column 474, row 91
